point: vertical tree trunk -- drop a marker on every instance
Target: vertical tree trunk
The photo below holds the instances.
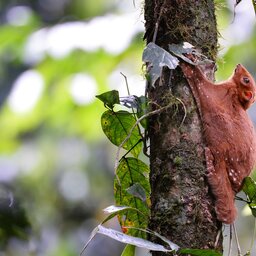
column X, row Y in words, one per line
column 182, row 205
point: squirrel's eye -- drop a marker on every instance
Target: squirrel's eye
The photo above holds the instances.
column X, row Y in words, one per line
column 246, row 80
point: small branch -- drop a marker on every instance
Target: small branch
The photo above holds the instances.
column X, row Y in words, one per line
column 128, row 91
column 185, row 111
column 242, row 199
column 230, row 241
column 157, row 23
column 237, row 242
column 137, row 122
column 253, row 236
column 131, row 149
column 126, row 83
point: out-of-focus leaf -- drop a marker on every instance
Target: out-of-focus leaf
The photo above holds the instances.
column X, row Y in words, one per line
column 117, row 126
column 137, row 241
column 249, row 189
column 13, row 38
column 200, row 252
column 158, row 58
column 109, row 98
column 129, row 250
column 13, row 218
column 132, row 171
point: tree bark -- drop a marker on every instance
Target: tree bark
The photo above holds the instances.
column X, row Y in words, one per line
column 182, row 204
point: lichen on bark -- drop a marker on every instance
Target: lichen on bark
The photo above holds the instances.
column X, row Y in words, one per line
column 182, row 205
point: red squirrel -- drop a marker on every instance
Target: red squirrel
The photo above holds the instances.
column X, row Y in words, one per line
column 228, row 133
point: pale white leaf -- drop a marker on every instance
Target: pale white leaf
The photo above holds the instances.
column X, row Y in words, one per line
column 113, row 209
column 158, row 58
column 172, row 245
column 139, row 242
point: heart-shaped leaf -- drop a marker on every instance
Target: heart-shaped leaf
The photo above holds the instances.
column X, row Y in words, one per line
column 109, row 98
column 133, row 172
column 117, row 126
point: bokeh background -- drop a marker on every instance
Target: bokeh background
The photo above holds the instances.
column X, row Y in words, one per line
column 56, row 165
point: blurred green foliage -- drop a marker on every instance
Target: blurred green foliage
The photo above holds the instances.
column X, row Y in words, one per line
column 55, row 162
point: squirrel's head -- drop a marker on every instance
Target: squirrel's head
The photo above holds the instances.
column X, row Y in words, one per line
column 245, row 85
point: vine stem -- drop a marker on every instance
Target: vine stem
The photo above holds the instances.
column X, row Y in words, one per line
column 157, row 22
column 237, row 242
column 253, row 236
column 135, row 125
column 230, row 241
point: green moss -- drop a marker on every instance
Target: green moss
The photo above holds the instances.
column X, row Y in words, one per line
column 177, row 161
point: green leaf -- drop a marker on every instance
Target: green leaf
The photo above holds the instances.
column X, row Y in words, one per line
column 109, row 98
column 158, row 58
column 129, row 250
column 132, row 171
column 117, row 125
column 200, row 252
column 249, row 188
column 138, row 191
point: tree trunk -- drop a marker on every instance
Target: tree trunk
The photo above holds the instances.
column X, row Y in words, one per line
column 182, row 204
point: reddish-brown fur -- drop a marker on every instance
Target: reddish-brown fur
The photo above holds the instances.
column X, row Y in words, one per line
column 228, row 132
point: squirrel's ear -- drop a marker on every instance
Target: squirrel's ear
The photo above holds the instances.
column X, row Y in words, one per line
column 238, row 66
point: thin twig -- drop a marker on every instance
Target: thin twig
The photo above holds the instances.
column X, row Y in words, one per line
column 237, row 242
column 140, row 140
column 128, row 91
column 157, row 23
column 133, row 127
column 137, row 122
column 126, row 83
column 217, row 239
column 254, row 234
column 185, row 111
column 230, row 240
column 242, row 199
